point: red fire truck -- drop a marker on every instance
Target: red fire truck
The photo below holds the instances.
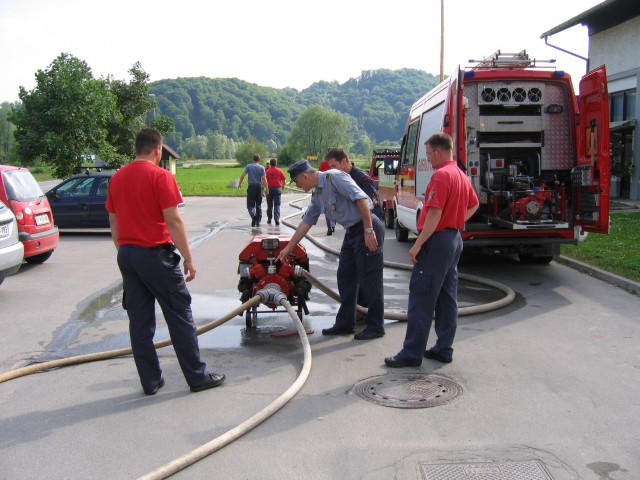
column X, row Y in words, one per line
column 537, row 157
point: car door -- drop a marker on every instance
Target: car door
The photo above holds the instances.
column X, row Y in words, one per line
column 69, row 202
column 98, row 217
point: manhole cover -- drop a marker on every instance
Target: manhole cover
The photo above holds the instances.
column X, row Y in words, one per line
column 526, row 470
column 408, row 391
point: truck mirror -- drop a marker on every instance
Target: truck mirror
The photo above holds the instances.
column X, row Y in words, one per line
column 390, row 166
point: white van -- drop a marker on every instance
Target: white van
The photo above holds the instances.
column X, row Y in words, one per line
column 11, row 249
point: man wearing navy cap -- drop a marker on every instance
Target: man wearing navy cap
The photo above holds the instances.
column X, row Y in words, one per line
column 360, row 266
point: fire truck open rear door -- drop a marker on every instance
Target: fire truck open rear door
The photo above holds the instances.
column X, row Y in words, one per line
column 591, row 176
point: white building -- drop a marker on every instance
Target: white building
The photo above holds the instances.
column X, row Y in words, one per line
column 614, row 41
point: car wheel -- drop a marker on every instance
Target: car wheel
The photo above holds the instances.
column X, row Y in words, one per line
column 40, row 258
column 388, row 218
column 402, row 234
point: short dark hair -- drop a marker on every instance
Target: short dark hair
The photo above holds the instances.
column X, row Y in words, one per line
column 256, row 158
column 337, row 153
column 273, row 162
column 440, row 140
column 146, row 140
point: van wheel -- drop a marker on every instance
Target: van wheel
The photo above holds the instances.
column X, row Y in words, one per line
column 40, row 258
column 388, row 218
column 402, row 234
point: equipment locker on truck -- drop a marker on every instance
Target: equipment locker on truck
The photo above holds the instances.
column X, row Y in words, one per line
column 537, row 156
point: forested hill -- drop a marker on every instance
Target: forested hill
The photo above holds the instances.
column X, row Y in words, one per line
column 378, row 103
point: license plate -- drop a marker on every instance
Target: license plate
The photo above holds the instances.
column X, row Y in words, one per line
column 4, row 231
column 42, row 219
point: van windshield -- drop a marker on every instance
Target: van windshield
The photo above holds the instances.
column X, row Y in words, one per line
column 21, row 186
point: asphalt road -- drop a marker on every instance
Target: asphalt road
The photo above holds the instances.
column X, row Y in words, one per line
column 550, row 383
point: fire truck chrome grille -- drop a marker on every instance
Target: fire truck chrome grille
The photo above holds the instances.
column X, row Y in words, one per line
column 408, row 391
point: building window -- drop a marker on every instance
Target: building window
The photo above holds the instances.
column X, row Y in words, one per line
column 623, row 106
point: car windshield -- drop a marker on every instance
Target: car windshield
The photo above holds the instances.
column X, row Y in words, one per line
column 21, row 186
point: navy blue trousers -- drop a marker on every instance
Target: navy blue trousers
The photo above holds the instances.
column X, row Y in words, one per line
column 359, row 269
column 273, row 204
column 151, row 274
column 433, row 295
column 254, row 202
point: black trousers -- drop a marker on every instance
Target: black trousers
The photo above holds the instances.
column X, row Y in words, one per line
column 360, row 271
column 254, row 202
column 151, row 274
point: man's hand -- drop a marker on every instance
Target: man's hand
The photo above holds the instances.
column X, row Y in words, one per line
column 371, row 241
column 284, row 253
column 189, row 270
column 413, row 253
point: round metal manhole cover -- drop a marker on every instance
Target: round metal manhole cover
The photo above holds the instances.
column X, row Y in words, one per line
column 408, row 391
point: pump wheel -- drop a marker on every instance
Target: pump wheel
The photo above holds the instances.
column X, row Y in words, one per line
column 251, row 317
column 402, row 234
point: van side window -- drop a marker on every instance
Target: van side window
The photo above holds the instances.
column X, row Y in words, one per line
column 409, row 147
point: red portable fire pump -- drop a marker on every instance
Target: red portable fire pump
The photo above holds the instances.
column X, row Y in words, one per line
column 259, row 270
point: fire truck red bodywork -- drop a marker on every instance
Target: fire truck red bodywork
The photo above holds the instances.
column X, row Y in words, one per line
column 537, row 157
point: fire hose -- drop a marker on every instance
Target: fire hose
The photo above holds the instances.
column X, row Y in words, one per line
column 509, row 297
column 262, row 296
column 217, row 443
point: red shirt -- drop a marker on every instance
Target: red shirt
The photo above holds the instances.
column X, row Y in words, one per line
column 275, row 177
column 450, row 190
column 137, row 194
column 324, row 166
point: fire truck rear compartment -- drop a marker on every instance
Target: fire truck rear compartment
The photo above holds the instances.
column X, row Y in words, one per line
column 517, row 140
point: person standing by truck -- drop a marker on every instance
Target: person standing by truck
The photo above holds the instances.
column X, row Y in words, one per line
column 275, row 180
column 449, row 202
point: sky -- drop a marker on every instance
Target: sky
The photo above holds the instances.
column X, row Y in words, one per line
column 277, row 43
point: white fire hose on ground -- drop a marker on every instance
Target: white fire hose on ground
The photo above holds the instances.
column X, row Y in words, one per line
column 262, row 296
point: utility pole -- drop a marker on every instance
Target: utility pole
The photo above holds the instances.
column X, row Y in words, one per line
column 441, row 40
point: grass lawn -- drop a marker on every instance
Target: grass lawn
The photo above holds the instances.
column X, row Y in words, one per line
column 210, row 180
column 618, row 252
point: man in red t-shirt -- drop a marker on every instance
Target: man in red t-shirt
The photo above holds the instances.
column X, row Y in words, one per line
column 433, row 289
column 276, row 180
column 146, row 227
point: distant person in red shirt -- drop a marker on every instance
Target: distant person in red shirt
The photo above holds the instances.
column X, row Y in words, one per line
column 276, row 180
column 331, row 227
column 146, row 228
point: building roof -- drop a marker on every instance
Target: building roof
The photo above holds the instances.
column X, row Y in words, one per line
column 166, row 148
column 601, row 17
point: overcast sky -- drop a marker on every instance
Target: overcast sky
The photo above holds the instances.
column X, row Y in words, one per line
column 277, row 43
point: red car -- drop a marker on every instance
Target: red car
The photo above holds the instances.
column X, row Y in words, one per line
column 22, row 194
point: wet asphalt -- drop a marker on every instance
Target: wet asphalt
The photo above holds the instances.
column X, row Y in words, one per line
column 546, row 387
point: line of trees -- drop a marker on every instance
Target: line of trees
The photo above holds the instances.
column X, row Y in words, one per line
column 70, row 114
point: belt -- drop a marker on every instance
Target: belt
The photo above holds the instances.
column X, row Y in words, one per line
column 355, row 228
column 163, row 246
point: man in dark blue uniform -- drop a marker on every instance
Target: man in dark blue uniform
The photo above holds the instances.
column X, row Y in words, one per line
column 257, row 182
column 361, row 263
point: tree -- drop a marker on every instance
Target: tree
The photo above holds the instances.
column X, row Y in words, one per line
column 247, row 149
column 196, row 146
column 163, row 124
column 318, row 129
column 64, row 116
column 133, row 102
column 7, row 141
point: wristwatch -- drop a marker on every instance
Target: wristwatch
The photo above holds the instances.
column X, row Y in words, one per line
column 368, row 230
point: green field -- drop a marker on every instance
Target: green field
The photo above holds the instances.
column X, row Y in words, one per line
column 210, row 180
column 618, row 252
